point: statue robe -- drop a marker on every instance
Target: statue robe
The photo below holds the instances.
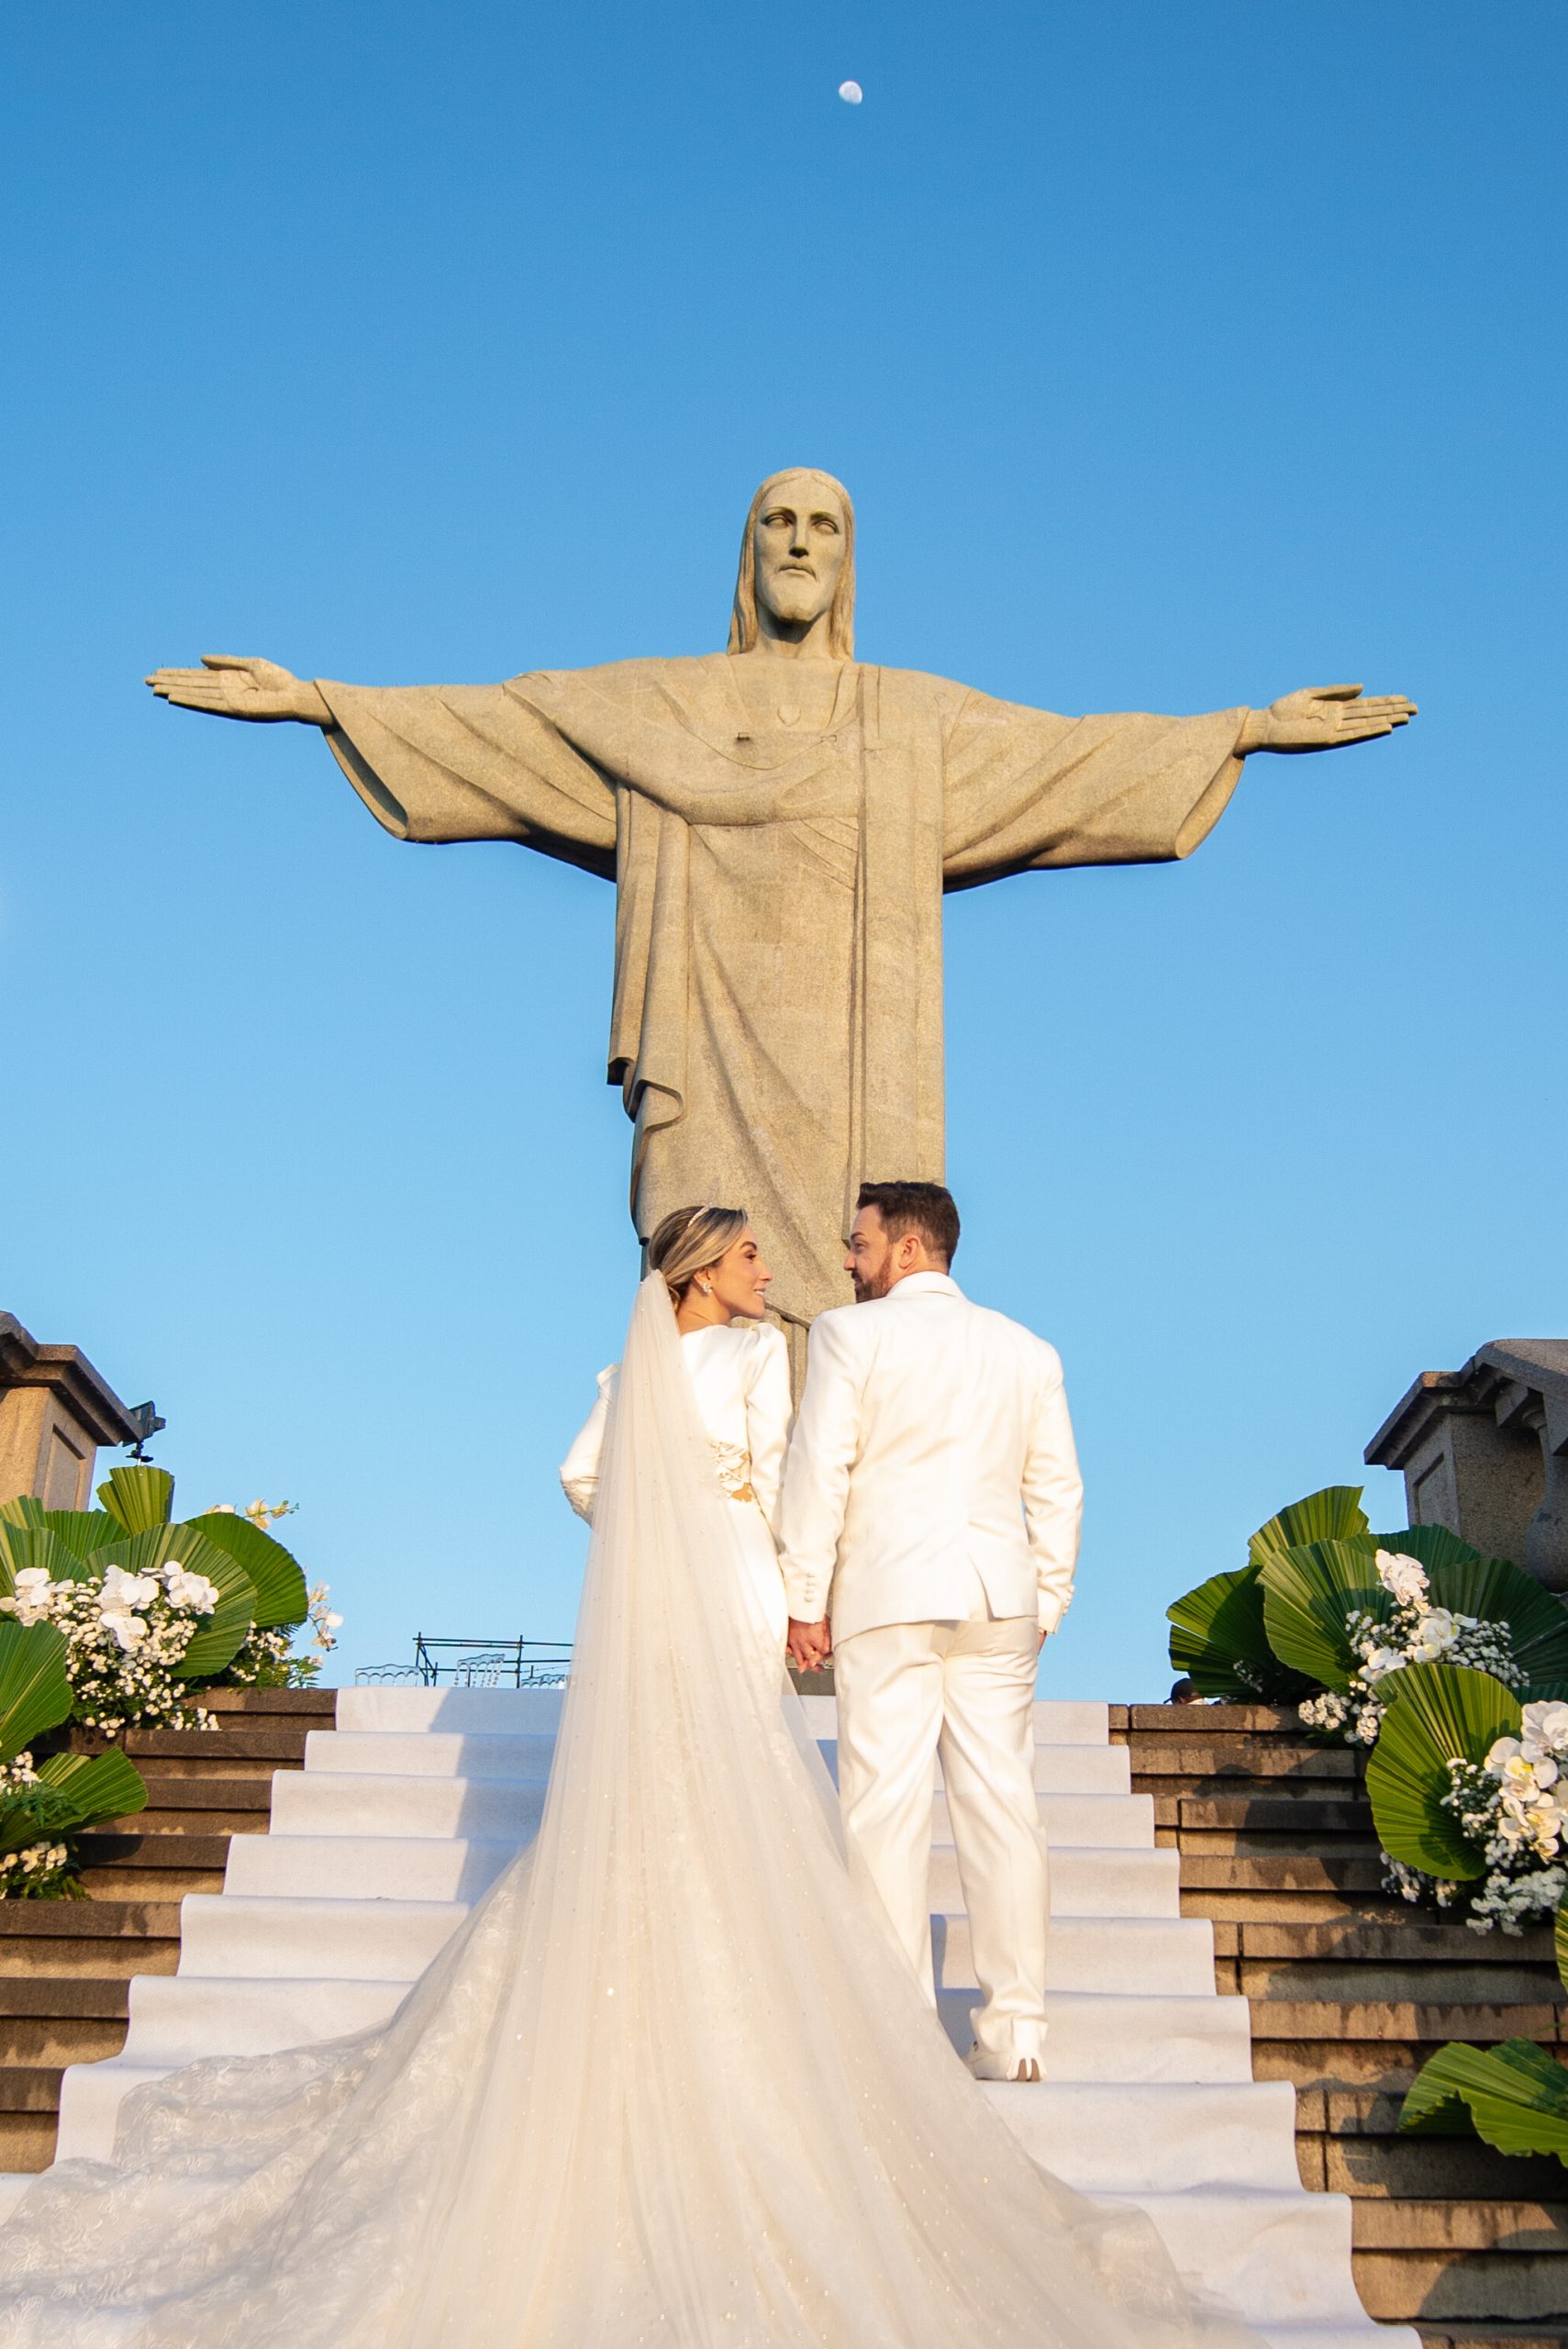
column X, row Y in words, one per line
column 777, row 1019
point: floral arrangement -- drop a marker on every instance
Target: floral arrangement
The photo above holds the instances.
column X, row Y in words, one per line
column 44, row 1869
column 268, row 1660
column 1417, row 1632
column 127, row 1635
column 1509, row 1809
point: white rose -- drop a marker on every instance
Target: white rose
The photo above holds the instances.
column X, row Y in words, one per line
column 1403, row 1576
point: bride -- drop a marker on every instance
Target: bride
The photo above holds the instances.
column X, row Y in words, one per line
column 670, row 2083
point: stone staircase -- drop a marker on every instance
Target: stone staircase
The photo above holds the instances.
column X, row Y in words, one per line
column 66, row 1966
column 405, row 1812
column 1349, row 1992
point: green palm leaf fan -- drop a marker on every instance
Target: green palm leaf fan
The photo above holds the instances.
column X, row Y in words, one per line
column 1307, row 1594
column 25, row 1547
column 1515, row 2097
column 281, row 1598
column 95, row 1785
column 1437, row 1712
column 1217, row 1638
column 35, row 1694
column 1335, row 1514
column 139, row 1495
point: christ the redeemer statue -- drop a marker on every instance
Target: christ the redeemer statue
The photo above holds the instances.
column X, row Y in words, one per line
column 780, row 821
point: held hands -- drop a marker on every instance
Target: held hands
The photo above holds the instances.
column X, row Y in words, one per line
column 809, row 1645
column 1322, row 718
column 237, row 689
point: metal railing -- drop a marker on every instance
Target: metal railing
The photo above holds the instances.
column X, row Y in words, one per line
column 474, row 1664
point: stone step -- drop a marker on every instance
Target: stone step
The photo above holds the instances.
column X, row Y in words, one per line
column 227, row 1751
column 1094, row 2036
column 99, row 1936
column 1083, row 1882
column 359, row 1802
column 1132, row 1954
column 1275, row 2256
column 1056, row 1721
column 1473, row 2261
column 1164, row 2137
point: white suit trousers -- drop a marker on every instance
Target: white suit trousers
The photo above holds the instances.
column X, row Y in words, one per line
column 908, row 1693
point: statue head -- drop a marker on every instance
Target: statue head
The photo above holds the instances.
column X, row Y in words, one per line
column 797, row 559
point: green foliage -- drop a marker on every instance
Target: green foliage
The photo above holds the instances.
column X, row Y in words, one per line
column 1560, row 1945
column 95, row 1785
column 1309, row 1591
column 1217, row 1637
column 139, row 1495
column 1436, row 1713
column 28, row 1546
column 35, row 1694
column 1333, row 1515
column 1515, row 2097
column 280, row 1596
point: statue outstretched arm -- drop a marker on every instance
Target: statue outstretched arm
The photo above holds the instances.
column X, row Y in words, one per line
column 432, row 762
column 229, row 686
column 1322, row 718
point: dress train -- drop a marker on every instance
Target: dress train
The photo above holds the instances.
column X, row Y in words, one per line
column 671, row 2083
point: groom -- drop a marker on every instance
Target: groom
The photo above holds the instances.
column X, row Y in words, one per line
column 931, row 1506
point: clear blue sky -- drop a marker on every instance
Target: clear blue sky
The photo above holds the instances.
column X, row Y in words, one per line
column 1175, row 357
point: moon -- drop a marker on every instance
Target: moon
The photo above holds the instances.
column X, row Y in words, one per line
column 852, row 93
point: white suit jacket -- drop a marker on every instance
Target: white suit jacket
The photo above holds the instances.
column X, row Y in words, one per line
column 933, row 1444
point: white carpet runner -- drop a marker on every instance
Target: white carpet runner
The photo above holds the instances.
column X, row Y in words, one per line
column 405, row 1812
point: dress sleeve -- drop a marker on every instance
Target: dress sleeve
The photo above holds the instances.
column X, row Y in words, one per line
column 580, row 1469
column 768, row 1413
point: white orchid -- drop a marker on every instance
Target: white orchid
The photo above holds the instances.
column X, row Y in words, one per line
column 121, row 1591
column 30, row 1600
column 1403, row 1576
column 1436, row 1632
column 1544, row 1730
column 192, row 1590
column 1381, row 1662
column 129, row 1630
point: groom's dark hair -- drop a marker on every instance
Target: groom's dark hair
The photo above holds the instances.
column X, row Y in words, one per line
column 925, row 1208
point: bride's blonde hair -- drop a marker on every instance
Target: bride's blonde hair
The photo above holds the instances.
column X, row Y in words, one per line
column 691, row 1239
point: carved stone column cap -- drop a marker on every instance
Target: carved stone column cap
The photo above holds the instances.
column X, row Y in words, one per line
column 1521, row 1382
column 66, row 1369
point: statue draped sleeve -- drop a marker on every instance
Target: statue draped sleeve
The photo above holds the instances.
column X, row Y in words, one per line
column 1026, row 790
column 472, row 763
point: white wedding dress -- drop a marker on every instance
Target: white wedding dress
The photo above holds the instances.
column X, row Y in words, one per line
column 670, row 2083
column 739, row 1375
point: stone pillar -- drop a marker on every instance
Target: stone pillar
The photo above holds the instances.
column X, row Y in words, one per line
column 55, row 1411
column 1484, row 1450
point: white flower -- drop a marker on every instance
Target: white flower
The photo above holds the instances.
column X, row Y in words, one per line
column 190, row 1590
column 1403, row 1576
column 1381, row 1661
column 121, row 1590
column 1544, row 1729
column 127, row 1628
column 33, row 1596
column 1436, row 1632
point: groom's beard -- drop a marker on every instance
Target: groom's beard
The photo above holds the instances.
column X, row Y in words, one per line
column 876, row 1284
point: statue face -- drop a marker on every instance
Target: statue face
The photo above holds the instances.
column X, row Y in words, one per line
column 799, row 548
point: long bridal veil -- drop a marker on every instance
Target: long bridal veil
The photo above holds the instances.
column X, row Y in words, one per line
column 670, row 2084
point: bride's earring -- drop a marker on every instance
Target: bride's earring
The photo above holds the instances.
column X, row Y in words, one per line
column 707, row 1288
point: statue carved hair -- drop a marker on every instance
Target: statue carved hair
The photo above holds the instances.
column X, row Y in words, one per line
column 688, row 1242
column 842, row 614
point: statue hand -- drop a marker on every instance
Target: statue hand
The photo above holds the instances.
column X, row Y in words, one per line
column 1323, row 718
column 237, row 689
